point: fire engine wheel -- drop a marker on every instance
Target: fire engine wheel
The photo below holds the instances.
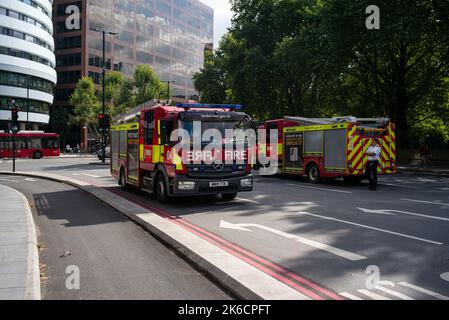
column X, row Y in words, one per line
column 313, row 174
column 37, row 155
column 161, row 190
column 228, row 196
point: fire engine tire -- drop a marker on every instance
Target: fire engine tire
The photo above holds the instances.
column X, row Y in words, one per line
column 122, row 181
column 161, row 189
column 313, row 173
column 37, row 155
column 228, row 196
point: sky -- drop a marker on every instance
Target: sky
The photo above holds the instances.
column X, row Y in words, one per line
column 222, row 17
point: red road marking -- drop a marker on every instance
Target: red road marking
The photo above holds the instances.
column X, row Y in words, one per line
column 232, row 248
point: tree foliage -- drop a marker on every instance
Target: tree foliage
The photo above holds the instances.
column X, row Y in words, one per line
column 317, row 58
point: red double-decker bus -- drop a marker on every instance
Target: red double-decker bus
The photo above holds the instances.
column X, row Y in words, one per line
column 30, row 144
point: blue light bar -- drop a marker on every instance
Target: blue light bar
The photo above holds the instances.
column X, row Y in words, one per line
column 209, row 106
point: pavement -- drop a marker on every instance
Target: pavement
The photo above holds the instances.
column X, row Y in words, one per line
column 91, row 251
column 327, row 241
column 19, row 259
column 439, row 168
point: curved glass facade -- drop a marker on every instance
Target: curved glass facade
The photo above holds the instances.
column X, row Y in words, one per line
column 26, row 59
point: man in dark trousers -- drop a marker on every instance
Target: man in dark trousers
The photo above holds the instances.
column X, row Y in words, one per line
column 373, row 154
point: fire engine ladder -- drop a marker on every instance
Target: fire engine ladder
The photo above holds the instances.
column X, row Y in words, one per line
column 317, row 121
column 133, row 113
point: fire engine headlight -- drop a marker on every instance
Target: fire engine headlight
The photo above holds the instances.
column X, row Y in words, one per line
column 350, row 165
column 246, row 183
column 186, row 185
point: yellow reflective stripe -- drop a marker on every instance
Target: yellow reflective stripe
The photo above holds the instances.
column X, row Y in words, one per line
column 159, row 131
column 316, row 127
column 124, row 127
column 280, row 148
column 142, row 153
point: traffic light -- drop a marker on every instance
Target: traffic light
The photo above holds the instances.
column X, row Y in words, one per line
column 107, row 121
column 14, row 115
column 101, row 119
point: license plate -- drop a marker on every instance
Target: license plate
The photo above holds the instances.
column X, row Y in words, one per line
column 218, row 184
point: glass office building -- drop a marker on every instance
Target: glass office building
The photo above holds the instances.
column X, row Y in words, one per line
column 170, row 35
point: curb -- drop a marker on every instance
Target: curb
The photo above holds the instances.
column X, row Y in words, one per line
column 424, row 173
column 33, row 285
column 33, row 291
column 241, row 279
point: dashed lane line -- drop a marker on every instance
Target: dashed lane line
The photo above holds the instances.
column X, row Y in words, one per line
column 349, row 296
column 316, row 188
column 373, row 228
column 430, row 202
column 425, row 291
column 394, row 293
column 372, row 295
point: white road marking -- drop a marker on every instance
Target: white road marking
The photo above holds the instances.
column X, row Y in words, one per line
column 75, row 174
column 385, row 212
column 30, row 179
column 372, row 295
column 393, row 212
column 422, row 201
column 373, row 228
column 91, row 175
column 336, row 251
column 400, row 185
column 8, row 180
column 316, row 188
column 349, row 296
column 445, row 276
column 394, row 293
column 248, row 200
column 425, row 291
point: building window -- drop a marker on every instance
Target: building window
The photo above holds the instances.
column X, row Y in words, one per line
column 25, row 55
column 95, row 76
column 68, row 60
column 68, row 42
column 69, row 76
column 23, row 81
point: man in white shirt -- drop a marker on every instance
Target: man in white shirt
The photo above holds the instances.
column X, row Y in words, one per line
column 373, row 154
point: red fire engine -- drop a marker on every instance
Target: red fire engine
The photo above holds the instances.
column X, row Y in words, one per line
column 330, row 147
column 144, row 155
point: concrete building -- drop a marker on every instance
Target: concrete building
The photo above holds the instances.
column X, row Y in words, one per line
column 27, row 61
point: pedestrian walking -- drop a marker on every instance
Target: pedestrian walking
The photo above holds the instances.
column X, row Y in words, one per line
column 373, row 154
column 425, row 154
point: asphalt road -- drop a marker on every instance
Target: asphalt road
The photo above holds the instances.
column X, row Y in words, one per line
column 116, row 259
column 338, row 235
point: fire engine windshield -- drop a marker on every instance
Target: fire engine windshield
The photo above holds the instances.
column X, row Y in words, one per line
column 205, row 125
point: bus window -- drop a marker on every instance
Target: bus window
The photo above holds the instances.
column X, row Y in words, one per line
column 21, row 143
column 35, row 143
column 50, row 143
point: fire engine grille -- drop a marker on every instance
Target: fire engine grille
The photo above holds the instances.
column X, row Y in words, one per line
column 215, row 172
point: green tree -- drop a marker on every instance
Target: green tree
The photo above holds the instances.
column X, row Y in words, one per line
column 118, row 93
column 147, row 84
column 85, row 105
column 210, row 82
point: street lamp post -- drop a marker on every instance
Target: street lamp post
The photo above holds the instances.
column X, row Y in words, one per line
column 103, row 65
column 168, row 87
